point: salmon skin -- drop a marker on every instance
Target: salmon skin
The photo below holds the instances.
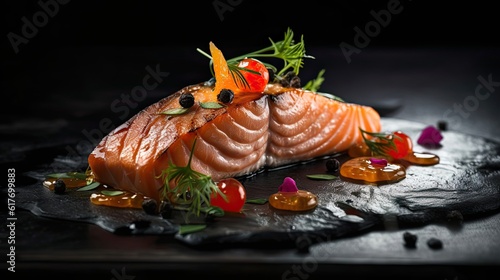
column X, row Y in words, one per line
column 283, row 126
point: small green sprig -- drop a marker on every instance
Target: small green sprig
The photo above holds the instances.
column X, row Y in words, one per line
column 292, row 54
column 380, row 143
column 191, row 189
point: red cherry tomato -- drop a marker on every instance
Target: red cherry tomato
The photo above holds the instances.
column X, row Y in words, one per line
column 403, row 143
column 235, row 195
column 256, row 82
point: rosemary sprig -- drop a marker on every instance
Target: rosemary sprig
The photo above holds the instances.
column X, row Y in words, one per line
column 190, row 187
column 380, row 143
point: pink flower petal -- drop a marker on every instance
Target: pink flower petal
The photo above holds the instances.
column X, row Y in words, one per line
column 379, row 161
column 288, row 185
column 430, row 136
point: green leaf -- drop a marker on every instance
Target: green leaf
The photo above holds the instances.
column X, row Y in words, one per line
column 211, row 105
column 260, row 201
column 111, row 192
column 89, row 187
column 214, row 210
column 322, row 176
column 315, row 84
column 185, row 229
column 175, row 111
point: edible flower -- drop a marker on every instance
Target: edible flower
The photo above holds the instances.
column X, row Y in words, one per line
column 430, row 136
column 378, row 161
column 288, row 185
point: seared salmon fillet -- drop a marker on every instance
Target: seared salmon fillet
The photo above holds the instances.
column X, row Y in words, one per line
column 283, row 126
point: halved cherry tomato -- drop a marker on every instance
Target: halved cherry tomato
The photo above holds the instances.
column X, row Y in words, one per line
column 235, row 195
column 403, row 143
column 256, row 82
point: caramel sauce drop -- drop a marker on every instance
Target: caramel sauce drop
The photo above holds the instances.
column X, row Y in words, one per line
column 125, row 200
column 294, row 201
column 361, row 169
column 424, row 158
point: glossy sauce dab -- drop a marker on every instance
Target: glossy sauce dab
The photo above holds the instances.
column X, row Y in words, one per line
column 368, row 170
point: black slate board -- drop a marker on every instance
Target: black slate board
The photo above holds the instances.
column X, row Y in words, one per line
column 465, row 182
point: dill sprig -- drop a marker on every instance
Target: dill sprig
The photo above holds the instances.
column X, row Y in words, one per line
column 381, row 142
column 191, row 189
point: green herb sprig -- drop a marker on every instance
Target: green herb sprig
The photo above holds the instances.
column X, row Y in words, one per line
column 191, row 189
column 292, row 54
column 381, row 143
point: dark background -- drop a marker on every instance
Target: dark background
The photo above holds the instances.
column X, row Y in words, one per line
column 89, row 53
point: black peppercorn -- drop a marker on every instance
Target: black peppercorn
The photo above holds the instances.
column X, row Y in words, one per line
column 186, row 100
column 332, row 165
column 59, row 187
column 442, row 125
column 410, row 239
column 150, row 206
column 434, row 243
column 166, row 210
column 225, row 96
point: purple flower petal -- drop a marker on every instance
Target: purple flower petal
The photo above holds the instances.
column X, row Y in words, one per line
column 379, row 161
column 288, row 185
column 430, row 136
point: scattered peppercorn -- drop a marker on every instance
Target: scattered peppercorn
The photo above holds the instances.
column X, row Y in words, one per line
column 434, row 243
column 59, row 186
column 150, row 206
column 166, row 210
column 186, row 100
column 410, row 239
column 332, row 165
column 225, row 96
column 442, row 125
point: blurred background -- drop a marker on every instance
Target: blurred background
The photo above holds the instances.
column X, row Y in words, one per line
column 77, row 62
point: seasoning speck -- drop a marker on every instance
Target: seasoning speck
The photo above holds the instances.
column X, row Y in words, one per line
column 434, row 243
column 186, row 100
column 150, row 206
column 225, row 96
column 59, row 187
column 332, row 165
column 410, row 239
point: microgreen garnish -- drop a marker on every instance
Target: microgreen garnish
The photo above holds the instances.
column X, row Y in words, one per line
column 89, row 187
column 190, row 188
column 112, row 192
column 290, row 52
column 381, row 142
column 314, row 84
column 321, row 176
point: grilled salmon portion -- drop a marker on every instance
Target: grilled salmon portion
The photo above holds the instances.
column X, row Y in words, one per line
column 283, row 126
